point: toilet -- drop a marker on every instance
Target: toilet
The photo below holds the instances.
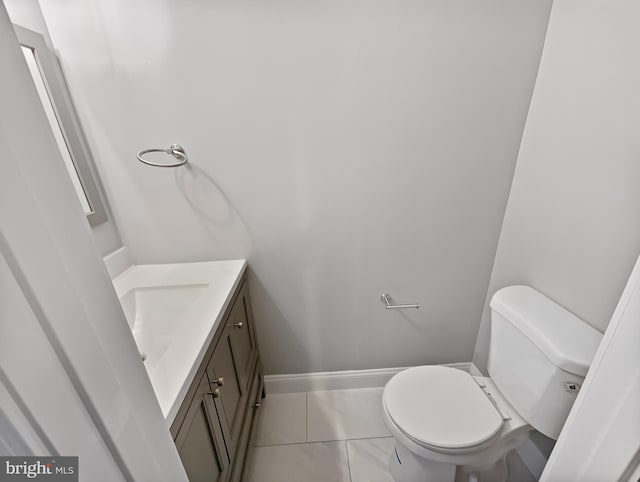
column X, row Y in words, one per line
column 451, row 426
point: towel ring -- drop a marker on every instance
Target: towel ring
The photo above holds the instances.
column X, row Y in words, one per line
column 176, row 150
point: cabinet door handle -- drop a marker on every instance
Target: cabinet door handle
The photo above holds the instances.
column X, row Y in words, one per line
column 219, row 381
column 215, row 393
column 239, row 325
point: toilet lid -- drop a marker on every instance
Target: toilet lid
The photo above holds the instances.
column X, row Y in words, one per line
column 441, row 407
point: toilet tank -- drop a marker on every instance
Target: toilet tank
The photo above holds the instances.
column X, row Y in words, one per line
column 539, row 354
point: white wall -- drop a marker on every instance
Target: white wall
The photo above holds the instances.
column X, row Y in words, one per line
column 28, row 14
column 572, row 225
column 346, row 147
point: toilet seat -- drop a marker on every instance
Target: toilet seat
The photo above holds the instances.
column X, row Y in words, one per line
column 442, row 409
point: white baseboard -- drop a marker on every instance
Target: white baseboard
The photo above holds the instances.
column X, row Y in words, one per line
column 532, row 458
column 310, row 382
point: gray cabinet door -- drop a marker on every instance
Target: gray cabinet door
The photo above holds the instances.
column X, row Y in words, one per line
column 242, row 339
column 233, row 360
column 200, row 442
column 230, row 400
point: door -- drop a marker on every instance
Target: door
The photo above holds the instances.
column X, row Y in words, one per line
column 229, row 397
column 230, row 368
column 601, row 437
column 242, row 337
column 200, row 441
column 71, row 381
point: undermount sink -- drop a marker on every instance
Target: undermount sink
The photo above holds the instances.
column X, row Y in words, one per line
column 153, row 314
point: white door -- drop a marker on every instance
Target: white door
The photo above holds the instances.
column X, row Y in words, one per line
column 600, row 441
column 71, row 379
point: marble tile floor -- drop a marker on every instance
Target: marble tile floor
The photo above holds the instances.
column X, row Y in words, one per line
column 329, row 436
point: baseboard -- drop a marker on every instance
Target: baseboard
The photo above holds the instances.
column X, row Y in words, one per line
column 532, row 458
column 310, row 382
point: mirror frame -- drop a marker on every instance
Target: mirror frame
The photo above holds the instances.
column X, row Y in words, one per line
column 60, row 98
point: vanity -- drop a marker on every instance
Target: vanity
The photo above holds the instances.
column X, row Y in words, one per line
column 194, row 327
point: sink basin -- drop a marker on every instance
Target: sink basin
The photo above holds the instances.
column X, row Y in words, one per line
column 157, row 313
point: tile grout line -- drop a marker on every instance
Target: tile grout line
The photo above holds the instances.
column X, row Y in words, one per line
column 312, row 442
column 326, row 441
column 306, row 417
column 346, row 448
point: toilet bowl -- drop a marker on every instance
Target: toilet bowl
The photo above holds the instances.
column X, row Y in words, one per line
column 447, row 422
column 450, row 426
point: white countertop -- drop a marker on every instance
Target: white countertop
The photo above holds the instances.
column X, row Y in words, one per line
column 174, row 311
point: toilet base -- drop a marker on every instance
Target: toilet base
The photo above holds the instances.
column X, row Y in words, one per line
column 405, row 466
column 497, row 472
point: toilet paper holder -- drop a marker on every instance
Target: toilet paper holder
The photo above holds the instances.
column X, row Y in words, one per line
column 388, row 305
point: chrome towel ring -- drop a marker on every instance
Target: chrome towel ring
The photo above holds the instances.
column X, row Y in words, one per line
column 176, row 150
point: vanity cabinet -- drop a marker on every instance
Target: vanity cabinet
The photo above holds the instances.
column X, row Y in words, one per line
column 212, row 429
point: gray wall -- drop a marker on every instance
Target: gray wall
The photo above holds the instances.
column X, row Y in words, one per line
column 572, row 225
column 345, row 147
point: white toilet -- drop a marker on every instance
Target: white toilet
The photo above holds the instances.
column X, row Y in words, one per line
column 450, row 426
